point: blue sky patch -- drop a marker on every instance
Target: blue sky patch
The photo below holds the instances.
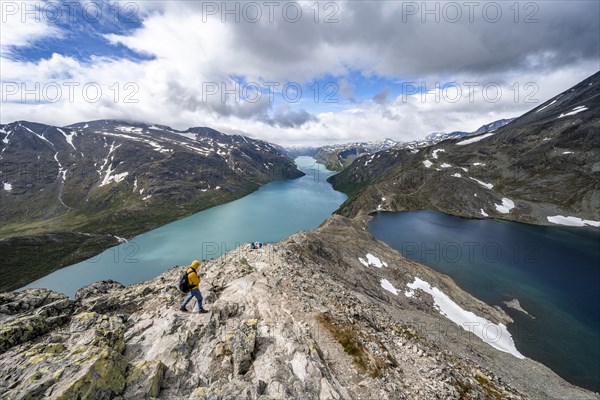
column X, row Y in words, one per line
column 82, row 27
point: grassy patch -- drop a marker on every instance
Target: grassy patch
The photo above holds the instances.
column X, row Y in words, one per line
column 364, row 361
column 23, row 260
column 463, row 388
column 406, row 331
column 489, row 389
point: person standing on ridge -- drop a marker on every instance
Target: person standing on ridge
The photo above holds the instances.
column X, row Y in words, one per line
column 194, row 282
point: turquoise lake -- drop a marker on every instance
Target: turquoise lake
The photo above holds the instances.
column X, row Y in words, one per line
column 553, row 271
column 272, row 213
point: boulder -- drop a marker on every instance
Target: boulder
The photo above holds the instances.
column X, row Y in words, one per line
column 241, row 344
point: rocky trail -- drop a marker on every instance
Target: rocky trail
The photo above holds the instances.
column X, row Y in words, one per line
column 306, row 318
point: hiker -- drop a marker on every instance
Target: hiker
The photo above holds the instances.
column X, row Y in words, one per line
column 194, row 282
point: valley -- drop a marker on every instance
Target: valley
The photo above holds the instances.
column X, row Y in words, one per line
column 69, row 193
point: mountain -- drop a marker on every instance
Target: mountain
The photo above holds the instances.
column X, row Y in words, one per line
column 541, row 168
column 327, row 314
column 491, row 127
column 437, row 137
column 69, row 192
column 299, row 150
column 336, row 157
column 339, row 156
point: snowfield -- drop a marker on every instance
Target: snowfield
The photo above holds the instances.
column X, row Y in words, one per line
column 372, row 260
column 575, row 111
column 68, row 138
column 434, row 153
column 572, row 221
column 389, row 287
column 496, row 335
column 485, row 185
column 473, row 140
column 543, row 108
column 506, row 206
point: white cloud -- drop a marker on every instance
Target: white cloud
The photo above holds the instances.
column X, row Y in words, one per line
column 190, row 54
column 20, row 29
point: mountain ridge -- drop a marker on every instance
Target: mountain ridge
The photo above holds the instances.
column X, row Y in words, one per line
column 518, row 172
column 336, row 157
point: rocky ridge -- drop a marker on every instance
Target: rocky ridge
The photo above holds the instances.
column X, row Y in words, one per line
column 306, row 318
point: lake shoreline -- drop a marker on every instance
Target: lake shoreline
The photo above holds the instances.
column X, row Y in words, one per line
column 271, row 213
column 521, row 273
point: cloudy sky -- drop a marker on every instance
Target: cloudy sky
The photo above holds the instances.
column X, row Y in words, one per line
column 301, row 72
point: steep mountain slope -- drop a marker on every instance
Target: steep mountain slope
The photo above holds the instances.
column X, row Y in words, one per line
column 541, row 168
column 317, row 316
column 69, row 192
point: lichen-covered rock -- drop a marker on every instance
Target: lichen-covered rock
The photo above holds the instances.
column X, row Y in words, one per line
column 21, row 328
column 101, row 375
column 99, row 330
column 144, row 379
column 89, row 364
column 12, row 303
column 240, row 344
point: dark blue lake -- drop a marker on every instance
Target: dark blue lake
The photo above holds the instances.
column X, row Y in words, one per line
column 553, row 271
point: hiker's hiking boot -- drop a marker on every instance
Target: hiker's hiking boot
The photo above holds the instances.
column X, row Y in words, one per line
column 183, row 309
column 203, row 311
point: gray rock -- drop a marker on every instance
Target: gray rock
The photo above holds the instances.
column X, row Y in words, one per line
column 241, row 344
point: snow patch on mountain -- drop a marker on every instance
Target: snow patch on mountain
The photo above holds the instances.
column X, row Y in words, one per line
column 68, row 137
column 372, row 260
column 543, row 108
column 576, row 110
column 387, row 285
column 473, row 140
column 484, row 184
column 496, row 335
column 38, row 135
column 434, row 153
column 572, row 221
column 129, row 129
column 506, row 206
column 61, row 172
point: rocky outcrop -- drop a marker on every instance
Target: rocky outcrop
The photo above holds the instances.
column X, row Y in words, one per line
column 28, row 315
column 306, row 318
column 240, row 344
